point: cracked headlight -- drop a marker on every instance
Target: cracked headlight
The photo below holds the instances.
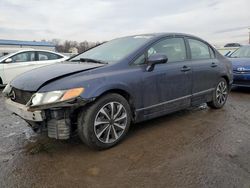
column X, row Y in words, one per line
column 55, row 96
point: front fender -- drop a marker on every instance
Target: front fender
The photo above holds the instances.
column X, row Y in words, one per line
column 99, row 89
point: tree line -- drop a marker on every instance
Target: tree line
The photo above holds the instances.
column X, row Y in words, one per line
column 67, row 45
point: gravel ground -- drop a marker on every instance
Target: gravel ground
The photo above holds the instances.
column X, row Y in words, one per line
column 198, row 147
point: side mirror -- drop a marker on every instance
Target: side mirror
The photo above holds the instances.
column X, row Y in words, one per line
column 8, row 60
column 156, row 59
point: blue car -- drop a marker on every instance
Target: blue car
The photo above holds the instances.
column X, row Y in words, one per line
column 131, row 79
column 241, row 66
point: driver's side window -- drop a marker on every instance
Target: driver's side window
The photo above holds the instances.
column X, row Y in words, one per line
column 173, row 48
column 23, row 57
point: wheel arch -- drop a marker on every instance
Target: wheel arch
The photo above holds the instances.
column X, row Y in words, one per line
column 124, row 94
column 226, row 78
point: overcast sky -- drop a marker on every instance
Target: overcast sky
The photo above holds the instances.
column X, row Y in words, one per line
column 218, row 21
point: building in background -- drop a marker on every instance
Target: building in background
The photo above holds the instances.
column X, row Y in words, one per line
column 9, row 46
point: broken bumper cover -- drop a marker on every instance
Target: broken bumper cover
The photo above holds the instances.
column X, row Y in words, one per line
column 22, row 111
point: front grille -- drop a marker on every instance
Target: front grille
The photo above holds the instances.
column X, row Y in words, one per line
column 21, row 96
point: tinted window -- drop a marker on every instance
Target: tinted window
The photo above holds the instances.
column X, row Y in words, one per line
column 199, row 50
column 43, row 56
column 173, row 48
column 24, row 57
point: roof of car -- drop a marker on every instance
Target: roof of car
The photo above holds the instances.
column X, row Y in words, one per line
column 164, row 34
column 25, row 43
column 159, row 35
column 25, row 50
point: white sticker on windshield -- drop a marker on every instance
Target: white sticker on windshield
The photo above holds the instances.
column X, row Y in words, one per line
column 143, row 37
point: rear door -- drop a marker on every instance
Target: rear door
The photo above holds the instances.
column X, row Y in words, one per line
column 21, row 63
column 169, row 86
column 205, row 69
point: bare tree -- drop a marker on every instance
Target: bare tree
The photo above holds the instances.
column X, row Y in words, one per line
column 65, row 46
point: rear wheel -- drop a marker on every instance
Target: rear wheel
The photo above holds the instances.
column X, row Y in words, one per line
column 220, row 95
column 104, row 123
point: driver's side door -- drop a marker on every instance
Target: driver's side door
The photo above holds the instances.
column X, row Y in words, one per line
column 168, row 87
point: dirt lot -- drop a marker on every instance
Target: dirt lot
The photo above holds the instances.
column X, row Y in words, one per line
column 193, row 148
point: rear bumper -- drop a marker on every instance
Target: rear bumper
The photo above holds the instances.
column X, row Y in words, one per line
column 22, row 111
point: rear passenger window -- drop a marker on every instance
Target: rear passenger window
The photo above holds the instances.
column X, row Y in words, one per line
column 173, row 48
column 199, row 50
column 43, row 56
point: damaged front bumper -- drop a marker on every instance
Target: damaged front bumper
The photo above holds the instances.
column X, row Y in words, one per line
column 22, row 111
column 57, row 119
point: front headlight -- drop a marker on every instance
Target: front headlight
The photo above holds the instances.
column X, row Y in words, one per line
column 55, row 96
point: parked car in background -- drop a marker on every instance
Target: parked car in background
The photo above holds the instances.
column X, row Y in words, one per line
column 241, row 66
column 5, row 51
column 229, row 45
column 226, row 51
column 130, row 79
column 19, row 62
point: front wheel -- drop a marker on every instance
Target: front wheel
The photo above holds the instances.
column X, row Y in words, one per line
column 220, row 95
column 104, row 123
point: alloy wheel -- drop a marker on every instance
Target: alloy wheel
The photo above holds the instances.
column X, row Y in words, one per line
column 110, row 122
column 221, row 92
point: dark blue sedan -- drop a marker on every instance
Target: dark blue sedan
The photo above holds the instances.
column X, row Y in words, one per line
column 131, row 79
column 241, row 66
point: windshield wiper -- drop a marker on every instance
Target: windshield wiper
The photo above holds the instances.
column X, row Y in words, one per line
column 93, row 60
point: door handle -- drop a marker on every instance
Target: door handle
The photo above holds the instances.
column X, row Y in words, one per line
column 185, row 68
column 214, row 64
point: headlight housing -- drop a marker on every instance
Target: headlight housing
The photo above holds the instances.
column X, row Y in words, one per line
column 55, row 96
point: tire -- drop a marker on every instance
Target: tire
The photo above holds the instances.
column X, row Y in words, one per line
column 1, row 83
column 99, row 127
column 220, row 95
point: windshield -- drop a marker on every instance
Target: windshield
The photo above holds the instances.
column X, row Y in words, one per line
column 114, row 50
column 242, row 52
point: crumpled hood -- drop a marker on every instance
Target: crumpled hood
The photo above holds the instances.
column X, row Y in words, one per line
column 36, row 78
column 240, row 62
